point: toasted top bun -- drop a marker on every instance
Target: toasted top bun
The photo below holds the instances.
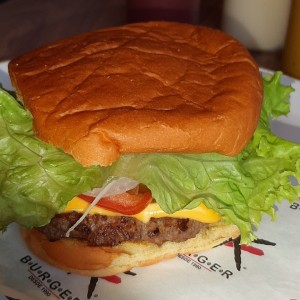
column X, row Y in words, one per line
column 146, row 87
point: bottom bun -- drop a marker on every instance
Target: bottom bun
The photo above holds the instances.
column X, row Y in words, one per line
column 77, row 257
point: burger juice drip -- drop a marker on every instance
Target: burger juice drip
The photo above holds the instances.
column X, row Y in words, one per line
column 238, row 249
column 92, row 286
column 264, row 242
column 237, row 252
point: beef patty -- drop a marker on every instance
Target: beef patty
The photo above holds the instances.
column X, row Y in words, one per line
column 99, row 230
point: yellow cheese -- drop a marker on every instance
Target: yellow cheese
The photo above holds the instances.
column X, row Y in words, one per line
column 200, row 213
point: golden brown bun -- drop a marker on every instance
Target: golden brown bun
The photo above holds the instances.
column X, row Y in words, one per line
column 148, row 87
column 76, row 257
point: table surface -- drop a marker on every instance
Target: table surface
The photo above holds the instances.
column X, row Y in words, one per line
column 27, row 24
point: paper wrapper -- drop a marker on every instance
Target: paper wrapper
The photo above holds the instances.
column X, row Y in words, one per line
column 267, row 272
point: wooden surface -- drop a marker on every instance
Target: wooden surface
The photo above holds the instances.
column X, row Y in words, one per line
column 27, row 24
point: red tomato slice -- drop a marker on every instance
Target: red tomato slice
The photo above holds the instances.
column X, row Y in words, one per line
column 126, row 203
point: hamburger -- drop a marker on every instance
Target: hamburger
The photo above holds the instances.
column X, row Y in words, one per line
column 135, row 143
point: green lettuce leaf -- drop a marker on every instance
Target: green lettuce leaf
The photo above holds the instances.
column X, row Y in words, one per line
column 36, row 179
column 276, row 97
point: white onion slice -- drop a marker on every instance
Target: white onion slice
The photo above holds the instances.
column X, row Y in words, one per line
column 114, row 187
column 121, row 185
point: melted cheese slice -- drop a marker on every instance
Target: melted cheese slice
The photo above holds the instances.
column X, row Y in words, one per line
column 200, row 213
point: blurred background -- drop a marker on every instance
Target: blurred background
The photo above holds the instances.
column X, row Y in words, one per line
column 262, row 25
